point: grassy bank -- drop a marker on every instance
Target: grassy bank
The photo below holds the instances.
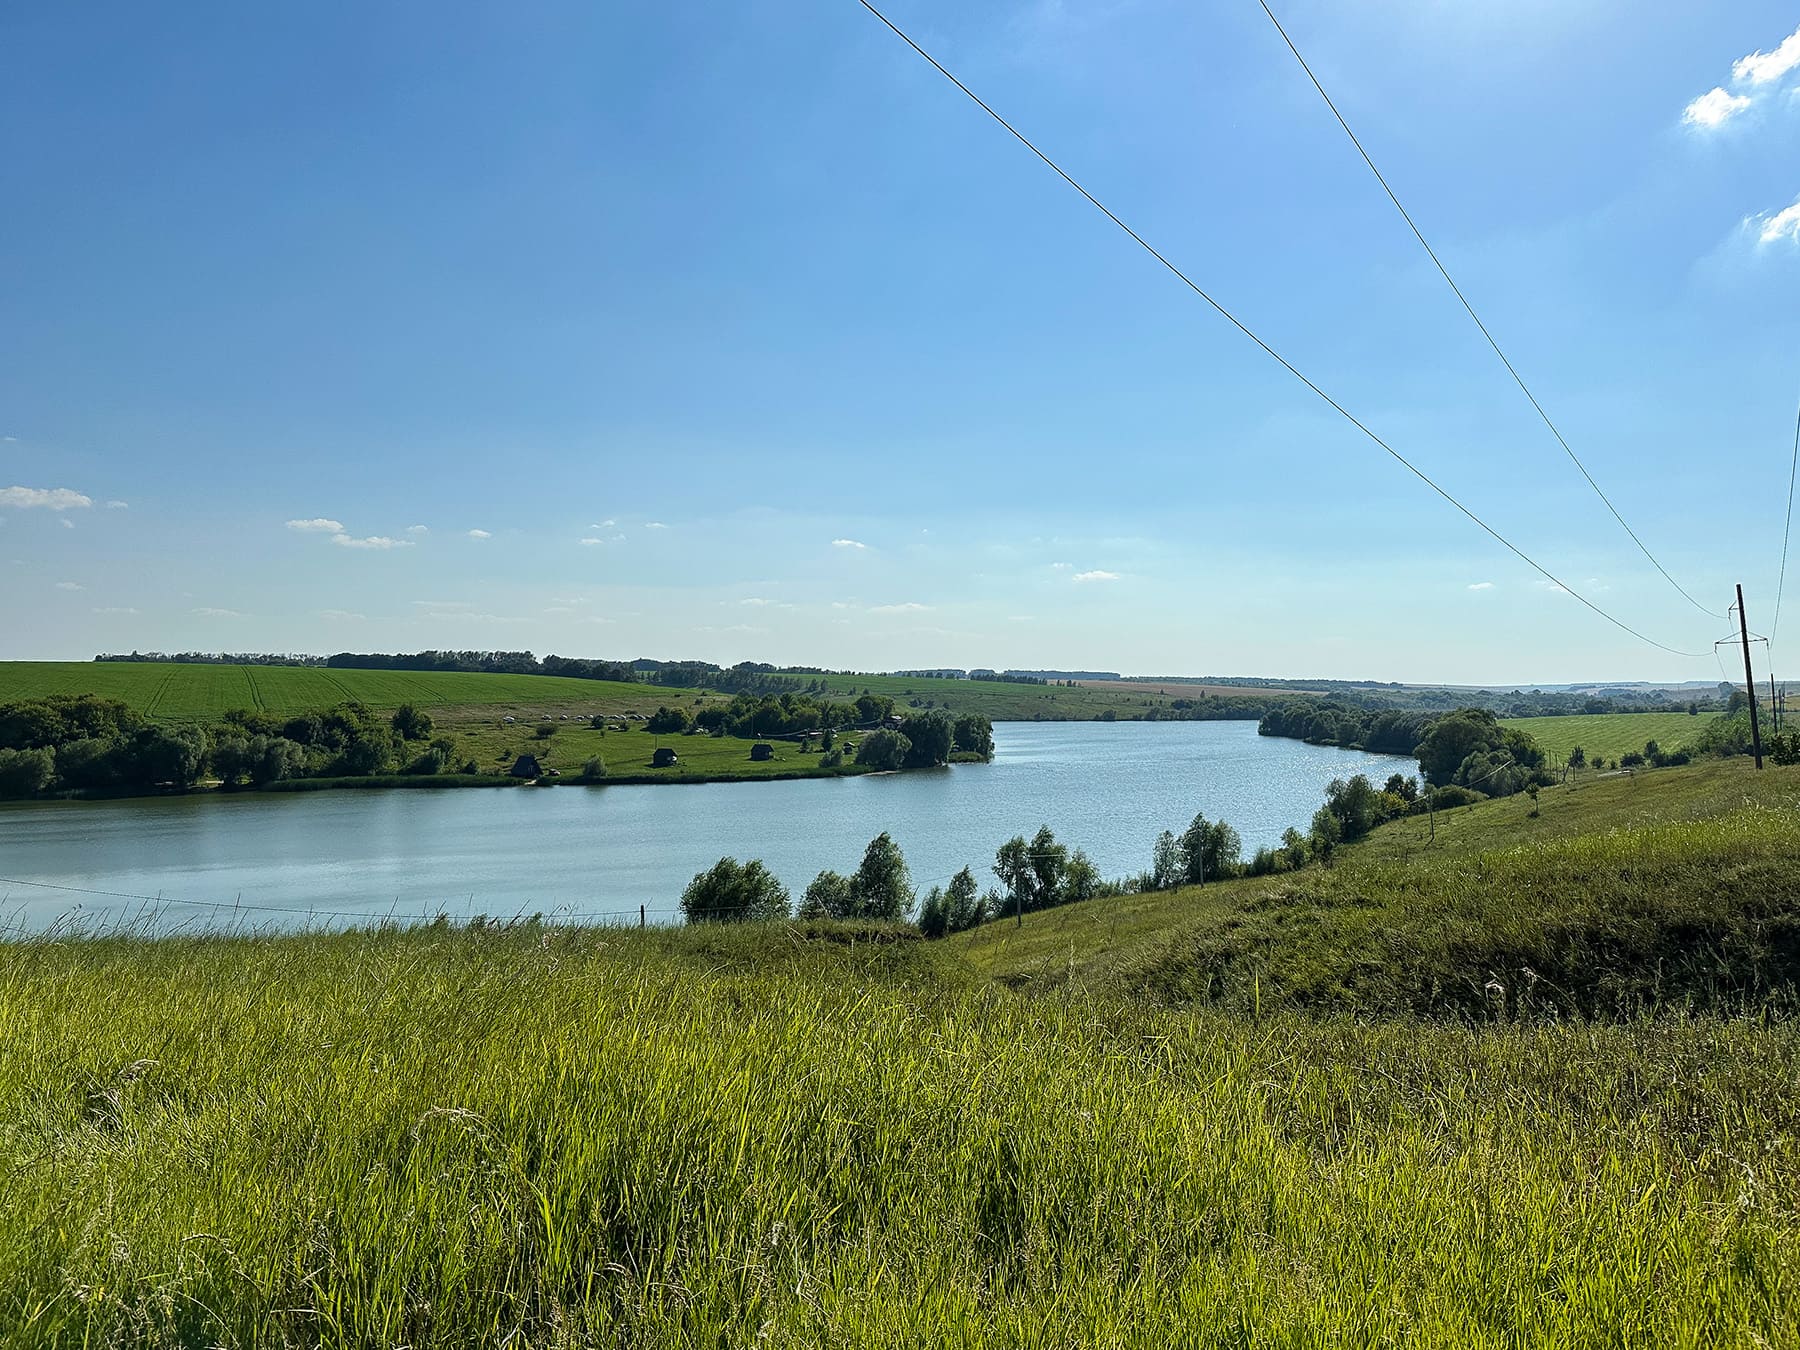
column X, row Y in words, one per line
column 765, row 1137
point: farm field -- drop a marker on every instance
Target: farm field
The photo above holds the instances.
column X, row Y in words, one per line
column 1609, row 734
column 1188, row 689
column 200, row 693
column 1155, row 1131
column 1004, row 702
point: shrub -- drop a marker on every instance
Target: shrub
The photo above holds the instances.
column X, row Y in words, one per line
column 734, row 892
column 545, row 730
column 593, row 768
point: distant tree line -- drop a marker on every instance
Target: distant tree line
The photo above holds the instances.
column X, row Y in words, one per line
column 218, row 658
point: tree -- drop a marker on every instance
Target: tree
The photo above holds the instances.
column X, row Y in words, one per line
column 1293, row 845
column 931, row 735
column 231, row 760
column 593, row 768
column 934, row 918
column 1403, row 787
column 1327, row 832
column 667, row 721
column 828, row 897
column 1577, row 757
column 734, row 892
column 883, row 750
column 1168, row 868
column 974, row 735
column 410, row 724
column 962, row 903
column 1080, row 880
column 1210, row 851
column 274, row 758
column 364, row 756
column 25, row 773
column 155, row 756
column 1356, row 805
column 881, row 887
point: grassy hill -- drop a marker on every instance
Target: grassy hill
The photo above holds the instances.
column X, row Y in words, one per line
column 1673, row 887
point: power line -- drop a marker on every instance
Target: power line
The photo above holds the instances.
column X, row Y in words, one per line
column 1293, row 370
column 1451, row 281
column 1793, row 463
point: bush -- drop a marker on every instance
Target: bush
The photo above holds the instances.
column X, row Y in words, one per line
column 410, row 724
column 667, row 721
column 545, row 730
column 593, row 769
column 1446, row 797
column 734, row 892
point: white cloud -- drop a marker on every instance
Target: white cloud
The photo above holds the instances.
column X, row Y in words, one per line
column 337, row 614
column 590, row 541
column 480, row 534
column 317, row 525
column 759, row 602
column 604, row 525
column 910, row 607
column 418, row 529
column 1783, row 224
column 848, row 543
column 208, row 612
column 66, row 523
column 1021, row 618
column 1096, row 575
column 654, row 525
column 375, row 541
column 117, row 505
column 1762, row 67
column 1060, row 567
column 114, row 609
column 50, row 499
column 1481, row 585
column 1714, row 109
column 70, row 586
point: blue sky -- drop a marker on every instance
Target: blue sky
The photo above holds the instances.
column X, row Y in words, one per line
column 732, row 331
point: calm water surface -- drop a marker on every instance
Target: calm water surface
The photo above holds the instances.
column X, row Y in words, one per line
column 333, row 857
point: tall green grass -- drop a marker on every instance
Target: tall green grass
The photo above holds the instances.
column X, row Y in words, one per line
column 787, row 1137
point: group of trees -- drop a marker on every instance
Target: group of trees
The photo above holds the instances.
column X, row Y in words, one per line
column 926, row 739
column 733, row 892
column 69, row 741
column 1208, row 850
column 1330, row 722
column 86, row 743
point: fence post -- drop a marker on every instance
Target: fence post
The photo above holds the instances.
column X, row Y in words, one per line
column 642, row 921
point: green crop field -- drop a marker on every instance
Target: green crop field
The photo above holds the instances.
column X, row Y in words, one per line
column 1501, row 1092
column 1609, row 734
column 198, row 693
column 180, row 693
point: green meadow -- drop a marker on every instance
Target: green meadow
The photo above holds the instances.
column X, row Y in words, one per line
column 1325, row 1108
column 1609, row 734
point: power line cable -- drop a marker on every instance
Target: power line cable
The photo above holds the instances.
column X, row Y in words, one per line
column 1786, row 528
column 1281, row 360
column 1451, row 282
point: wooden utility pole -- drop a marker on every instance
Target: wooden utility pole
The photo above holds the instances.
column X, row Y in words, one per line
column 1749, row 678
